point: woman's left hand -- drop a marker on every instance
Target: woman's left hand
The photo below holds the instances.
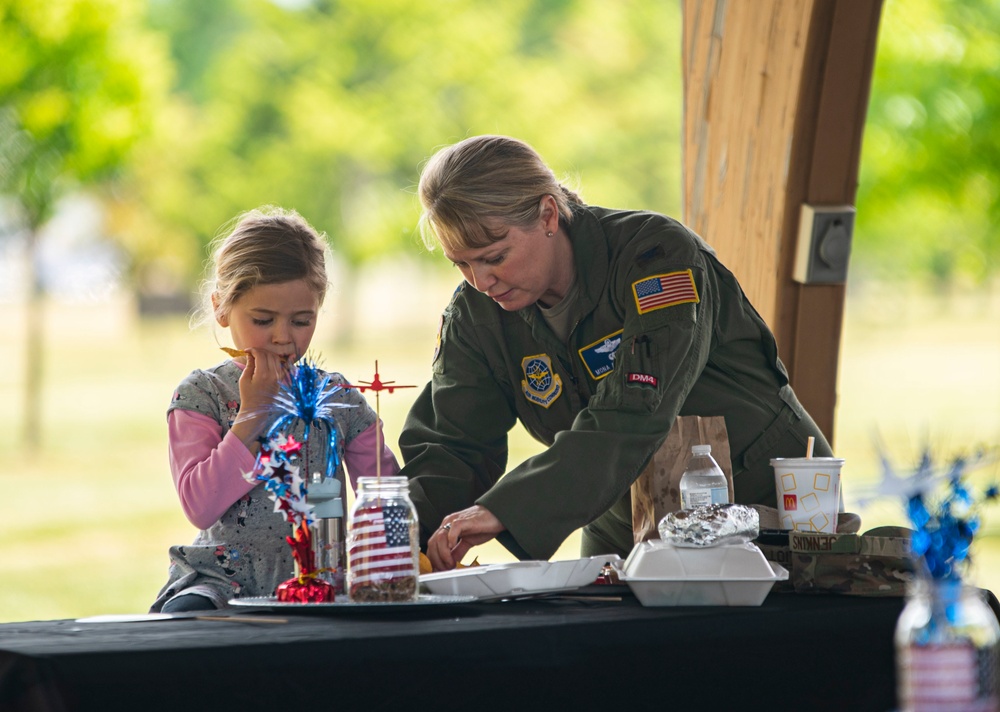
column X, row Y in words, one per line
column 458, row 533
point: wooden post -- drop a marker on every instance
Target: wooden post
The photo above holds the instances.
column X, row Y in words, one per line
column 775, row 96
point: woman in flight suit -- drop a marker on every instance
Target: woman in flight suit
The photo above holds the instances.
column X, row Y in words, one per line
column 593, row 327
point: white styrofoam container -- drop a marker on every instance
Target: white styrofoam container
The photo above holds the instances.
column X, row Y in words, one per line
column 519, row 578
column 660, row 574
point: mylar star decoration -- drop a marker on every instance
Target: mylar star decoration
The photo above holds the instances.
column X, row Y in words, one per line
column 924, row 478
column 305, row 398
column 277, row 468
column 944, row 510
column 280, row 475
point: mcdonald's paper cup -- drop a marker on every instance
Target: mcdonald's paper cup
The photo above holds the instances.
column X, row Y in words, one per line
column 808, row 492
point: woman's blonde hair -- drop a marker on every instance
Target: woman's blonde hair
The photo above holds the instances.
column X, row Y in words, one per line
column 268, row 245
column 482, row 178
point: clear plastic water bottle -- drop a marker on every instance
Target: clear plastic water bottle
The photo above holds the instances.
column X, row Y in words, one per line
column 703, row 482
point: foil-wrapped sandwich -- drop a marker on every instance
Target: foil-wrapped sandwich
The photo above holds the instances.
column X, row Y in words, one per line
column 711, row 525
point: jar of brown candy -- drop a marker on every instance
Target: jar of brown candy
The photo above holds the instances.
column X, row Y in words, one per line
column 383, row 545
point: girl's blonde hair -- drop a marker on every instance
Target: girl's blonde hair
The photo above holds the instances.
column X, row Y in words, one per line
column 482, row 178
column 268, row 245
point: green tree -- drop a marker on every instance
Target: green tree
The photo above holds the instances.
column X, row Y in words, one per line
column 930, row 169
column 78, row 82
column 332, row 107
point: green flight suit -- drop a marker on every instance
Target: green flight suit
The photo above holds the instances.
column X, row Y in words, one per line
column 604, row 401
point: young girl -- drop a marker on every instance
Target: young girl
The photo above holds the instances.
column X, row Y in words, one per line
column 268, row 284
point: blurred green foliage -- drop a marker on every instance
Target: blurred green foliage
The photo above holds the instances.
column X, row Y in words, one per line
column 181, row 114
column 930, row 167
column 331, row 108
column 79, row 83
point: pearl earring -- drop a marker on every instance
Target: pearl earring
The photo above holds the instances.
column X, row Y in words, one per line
column 549, row 234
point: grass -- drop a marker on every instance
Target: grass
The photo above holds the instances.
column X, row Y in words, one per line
column 86, row 518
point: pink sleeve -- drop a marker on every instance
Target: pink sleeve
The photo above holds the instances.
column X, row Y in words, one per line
column 360, row 457
column 207, row 471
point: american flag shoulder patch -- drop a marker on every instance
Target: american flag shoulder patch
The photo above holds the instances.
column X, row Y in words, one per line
column 664, row 290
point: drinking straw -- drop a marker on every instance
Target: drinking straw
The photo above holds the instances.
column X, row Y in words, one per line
column 809, row 446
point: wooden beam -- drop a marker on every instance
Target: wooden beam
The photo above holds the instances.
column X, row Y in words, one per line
column 775, row 96
column 845, row 33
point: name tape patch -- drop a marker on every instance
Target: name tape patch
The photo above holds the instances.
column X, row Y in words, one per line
column 599, row 357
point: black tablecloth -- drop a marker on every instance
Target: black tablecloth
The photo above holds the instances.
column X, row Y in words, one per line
column 795, row 652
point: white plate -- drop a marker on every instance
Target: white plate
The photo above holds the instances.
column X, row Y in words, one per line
column 516, row 579
column 345, row 603
column 126, row 618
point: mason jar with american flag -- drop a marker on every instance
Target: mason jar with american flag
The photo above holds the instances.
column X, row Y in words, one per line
column 383, row 544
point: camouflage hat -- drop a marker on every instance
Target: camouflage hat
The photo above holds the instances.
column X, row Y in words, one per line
column 876, row 563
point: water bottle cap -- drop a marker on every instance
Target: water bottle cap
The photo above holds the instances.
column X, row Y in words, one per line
column 701, row 449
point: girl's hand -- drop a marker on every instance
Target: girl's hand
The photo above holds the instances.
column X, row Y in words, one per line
column 259, row 383
column 458, row 533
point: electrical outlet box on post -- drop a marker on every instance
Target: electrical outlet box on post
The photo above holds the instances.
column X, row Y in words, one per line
column 824, row 245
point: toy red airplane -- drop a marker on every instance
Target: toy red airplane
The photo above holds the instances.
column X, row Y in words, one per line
column 377, row 384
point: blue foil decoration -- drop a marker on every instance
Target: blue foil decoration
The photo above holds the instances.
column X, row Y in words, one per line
column 945, row 520
column 307, row 397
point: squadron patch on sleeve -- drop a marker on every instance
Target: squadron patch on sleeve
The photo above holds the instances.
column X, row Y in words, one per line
column 599, row 357
column 541, row 385
column 664, row 290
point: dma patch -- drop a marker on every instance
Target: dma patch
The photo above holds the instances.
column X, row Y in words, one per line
column 541, row 385
column 599, row 357
column 664, row 290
